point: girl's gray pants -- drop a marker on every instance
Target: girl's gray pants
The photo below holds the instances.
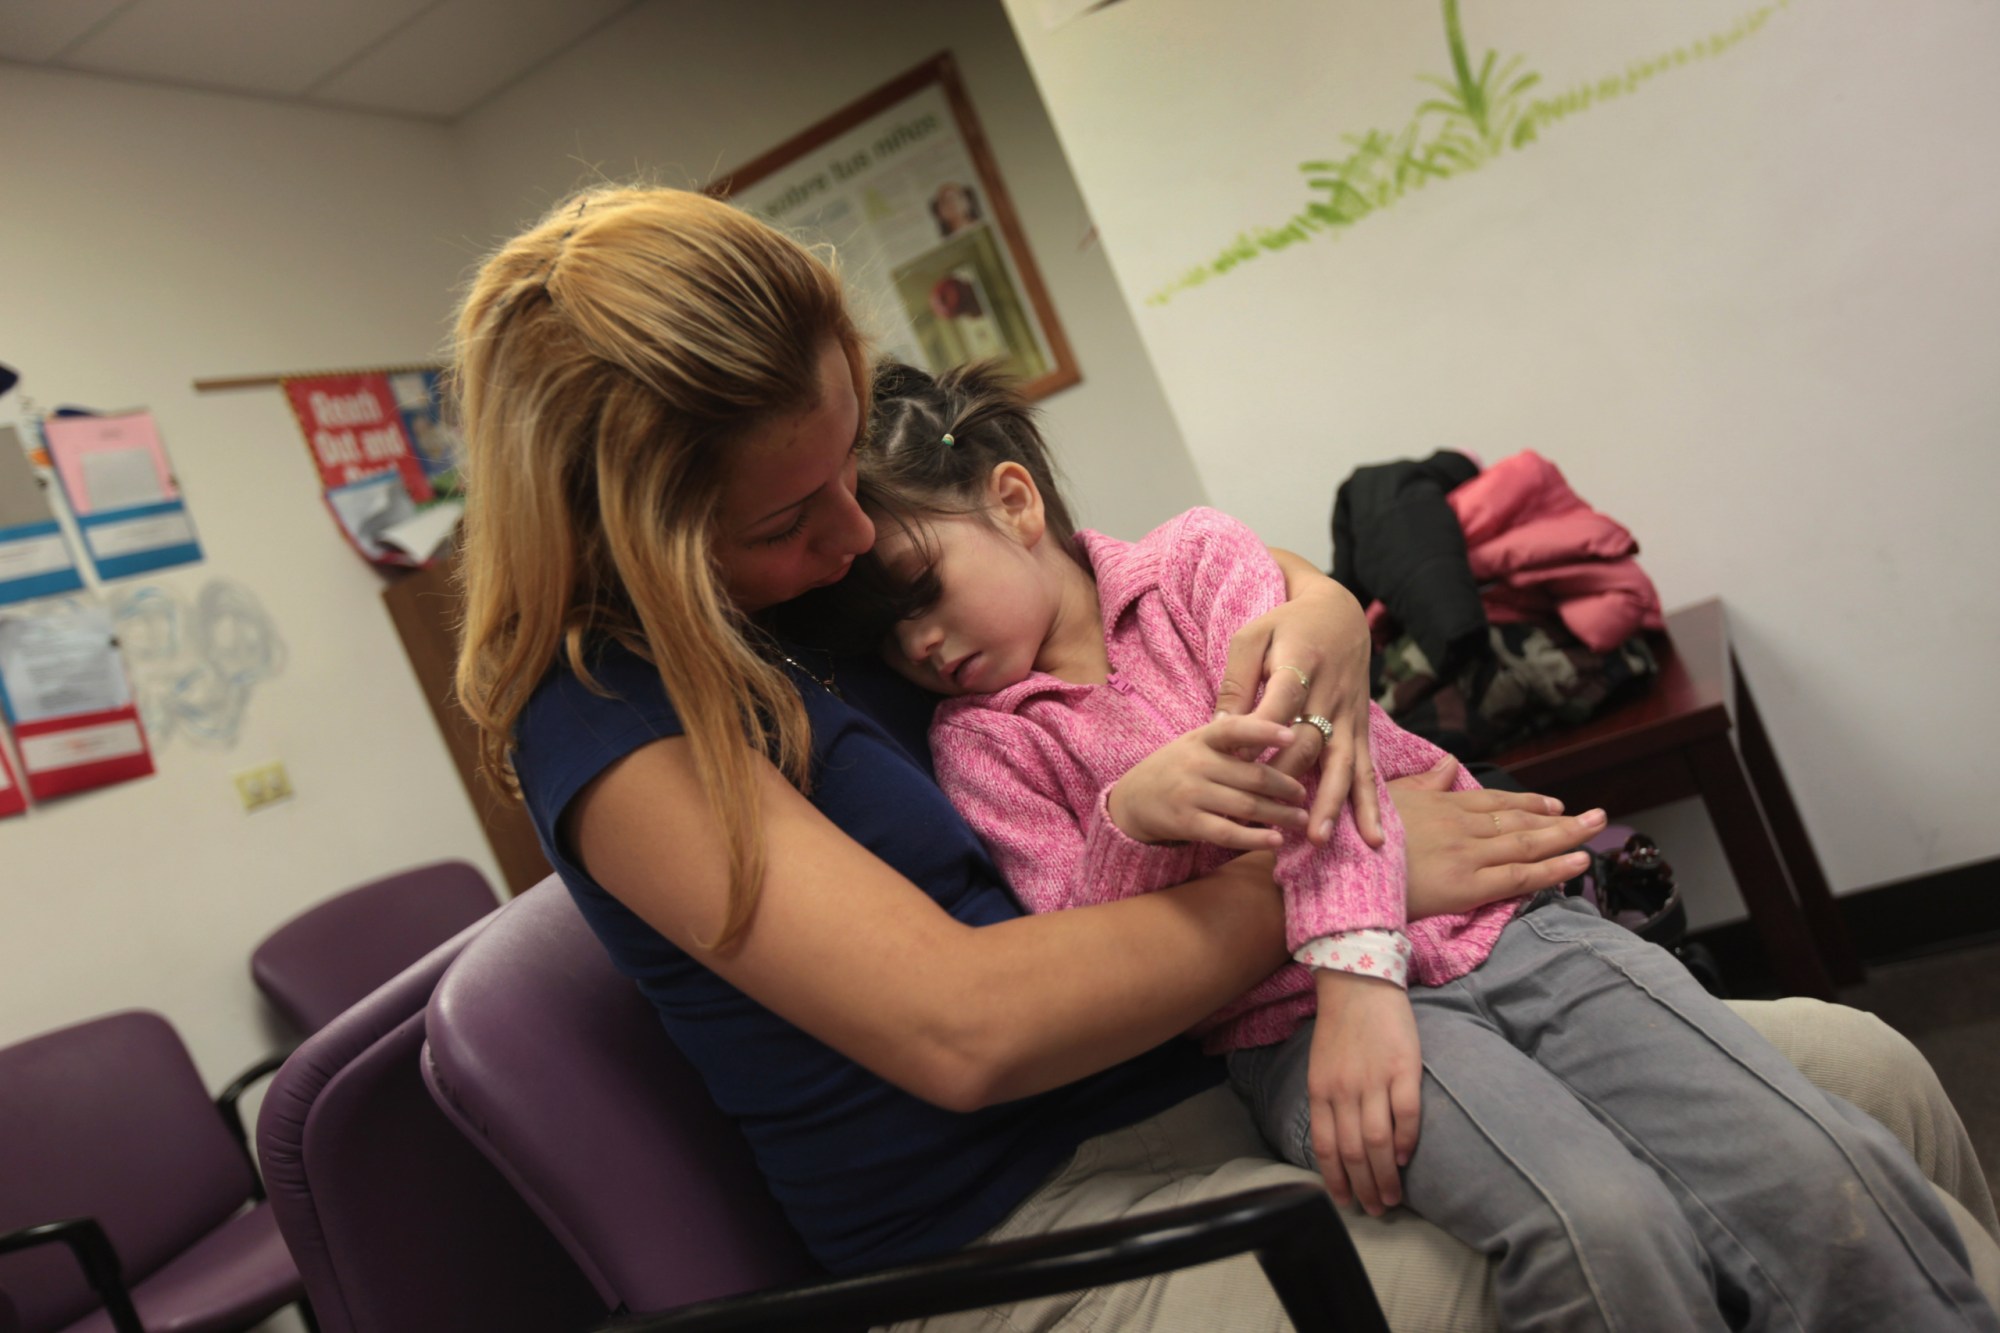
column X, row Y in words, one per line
column 1630, row 1154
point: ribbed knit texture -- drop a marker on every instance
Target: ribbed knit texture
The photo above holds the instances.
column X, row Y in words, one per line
column 1031, row 766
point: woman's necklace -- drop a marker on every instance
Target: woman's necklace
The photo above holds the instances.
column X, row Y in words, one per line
column 825, row 682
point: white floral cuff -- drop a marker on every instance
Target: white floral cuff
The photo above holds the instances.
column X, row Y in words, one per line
column 1372, row 953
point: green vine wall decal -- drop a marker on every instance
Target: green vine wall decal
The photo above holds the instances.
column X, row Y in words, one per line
column 1478, row 116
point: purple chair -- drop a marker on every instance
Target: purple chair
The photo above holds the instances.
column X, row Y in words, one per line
column 114, row 1151
column 397, row 1224
column 559, row 1071
column 330, row 955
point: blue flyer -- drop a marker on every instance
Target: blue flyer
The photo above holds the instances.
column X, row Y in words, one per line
column 35, row 561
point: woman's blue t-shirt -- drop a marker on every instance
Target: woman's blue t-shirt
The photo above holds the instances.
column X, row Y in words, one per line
column 868, row 1174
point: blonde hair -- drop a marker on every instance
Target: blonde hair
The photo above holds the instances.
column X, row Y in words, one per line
column 606, row 362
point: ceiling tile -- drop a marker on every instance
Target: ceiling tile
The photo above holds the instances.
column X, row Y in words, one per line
column 460, row 51
column 37, row 30
column 259, row 46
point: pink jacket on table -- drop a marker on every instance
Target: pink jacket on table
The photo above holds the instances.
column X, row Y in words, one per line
column 1541, row 549
column 1030, row 767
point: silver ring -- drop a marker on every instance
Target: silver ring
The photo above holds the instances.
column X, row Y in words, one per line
column 1305, row 681
column 1321, row 724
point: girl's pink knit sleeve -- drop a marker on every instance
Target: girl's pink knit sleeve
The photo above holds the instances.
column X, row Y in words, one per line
column 1006, row 777
column 1218, row 577
column 1348, row 885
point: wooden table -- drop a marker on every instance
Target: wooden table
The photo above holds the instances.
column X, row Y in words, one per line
column 1676, row 740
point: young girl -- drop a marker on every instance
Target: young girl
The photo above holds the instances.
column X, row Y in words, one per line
column 1623, row 1146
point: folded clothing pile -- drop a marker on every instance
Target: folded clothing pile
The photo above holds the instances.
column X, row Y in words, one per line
column 1503, row 605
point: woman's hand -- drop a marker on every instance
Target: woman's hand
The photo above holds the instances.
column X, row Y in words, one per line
column 1464, row 849
column 1311, row 657
column 1197, row 788
column 1364, row 1081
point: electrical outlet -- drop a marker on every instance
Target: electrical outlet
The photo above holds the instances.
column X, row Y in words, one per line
column 263, row 785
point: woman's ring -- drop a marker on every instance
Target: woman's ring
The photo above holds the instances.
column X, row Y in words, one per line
column 1305, row 681
column 1498, row 827
column 1320, row 724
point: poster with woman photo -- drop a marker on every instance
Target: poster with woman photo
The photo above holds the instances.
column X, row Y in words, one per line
column 901, row 184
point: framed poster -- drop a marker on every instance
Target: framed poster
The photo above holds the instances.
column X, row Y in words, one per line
column 902, row 185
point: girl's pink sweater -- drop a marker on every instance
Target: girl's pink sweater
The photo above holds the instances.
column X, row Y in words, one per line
column 1030, row 767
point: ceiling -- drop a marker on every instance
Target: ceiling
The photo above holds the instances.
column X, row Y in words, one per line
column 432, row 58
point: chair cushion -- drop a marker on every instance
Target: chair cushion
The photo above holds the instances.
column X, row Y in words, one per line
column 328, row 957
column 230, row 1279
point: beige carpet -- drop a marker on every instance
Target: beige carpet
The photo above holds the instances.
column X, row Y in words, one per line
column 1949, row 1005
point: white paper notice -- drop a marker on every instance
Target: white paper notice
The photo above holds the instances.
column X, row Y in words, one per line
column 85, row 745
column 420, row 537
column 61, row 665
column 110, row 540
column 121, row 478
column 31, row 556
column 370, row 507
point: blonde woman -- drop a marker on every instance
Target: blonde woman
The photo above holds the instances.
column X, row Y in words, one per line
column 662, row 402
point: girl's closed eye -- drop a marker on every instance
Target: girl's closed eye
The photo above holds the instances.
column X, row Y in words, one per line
column 920, row 596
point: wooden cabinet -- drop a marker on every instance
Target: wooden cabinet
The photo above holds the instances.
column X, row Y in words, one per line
column 425, row 607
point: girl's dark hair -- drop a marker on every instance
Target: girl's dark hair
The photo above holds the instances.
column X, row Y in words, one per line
column 909, row 475
column 912, row 474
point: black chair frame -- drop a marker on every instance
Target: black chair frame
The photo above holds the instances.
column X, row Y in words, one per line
column 1293, row 1230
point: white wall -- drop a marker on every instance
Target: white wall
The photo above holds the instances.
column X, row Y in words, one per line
column 155, row 236
column 679, row 91
column 1751, row 308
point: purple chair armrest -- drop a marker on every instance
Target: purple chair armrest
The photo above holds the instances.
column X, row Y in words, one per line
column 560, row 1072
column 396, row 1223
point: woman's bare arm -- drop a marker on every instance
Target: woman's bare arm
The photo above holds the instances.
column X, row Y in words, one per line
column 853, row 953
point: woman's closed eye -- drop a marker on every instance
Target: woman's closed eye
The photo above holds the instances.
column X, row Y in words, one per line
column 780, row 538
column 798, row 525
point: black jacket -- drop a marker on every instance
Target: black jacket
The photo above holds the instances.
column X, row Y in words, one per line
column 1397, row 540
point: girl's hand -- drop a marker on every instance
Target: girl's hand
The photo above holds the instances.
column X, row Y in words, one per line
column 1464, row 849
column 1311, row 657
column 1364, row 1081
column 1196, row 788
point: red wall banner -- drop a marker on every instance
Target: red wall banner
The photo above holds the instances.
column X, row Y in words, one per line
column 355, row 430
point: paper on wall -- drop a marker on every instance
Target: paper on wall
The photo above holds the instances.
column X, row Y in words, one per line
column 370, row 507
column 61, row 665
column 35, row 561
column 121, row 478
column 422, row 535
column 66, row 693
column 122, row 490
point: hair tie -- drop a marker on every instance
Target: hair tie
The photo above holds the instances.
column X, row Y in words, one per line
column 948, row 441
